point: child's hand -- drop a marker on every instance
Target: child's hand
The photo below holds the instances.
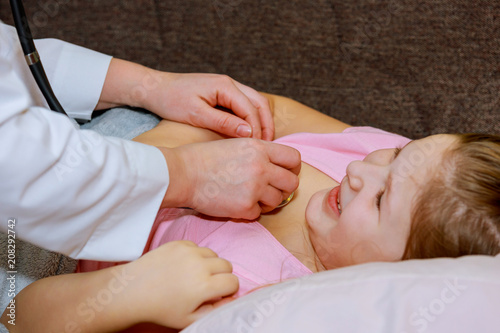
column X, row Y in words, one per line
column 169, row 285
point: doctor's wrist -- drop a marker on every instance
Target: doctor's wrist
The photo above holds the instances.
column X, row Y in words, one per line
column 128, row 83
column 180, row 178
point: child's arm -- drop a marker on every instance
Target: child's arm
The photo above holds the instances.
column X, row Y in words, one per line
column 166, row 286
column 291, row 117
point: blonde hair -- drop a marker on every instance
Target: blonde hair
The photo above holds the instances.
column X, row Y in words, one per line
column 457, row 211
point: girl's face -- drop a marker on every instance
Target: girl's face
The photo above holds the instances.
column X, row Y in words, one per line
column 367, row 218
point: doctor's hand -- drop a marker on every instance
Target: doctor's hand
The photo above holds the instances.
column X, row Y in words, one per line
column 190, row 99
column 238, row 178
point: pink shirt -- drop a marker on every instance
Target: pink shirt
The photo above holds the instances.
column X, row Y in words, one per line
column 257, row 257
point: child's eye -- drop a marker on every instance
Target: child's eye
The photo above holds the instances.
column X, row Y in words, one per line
column 378, row 199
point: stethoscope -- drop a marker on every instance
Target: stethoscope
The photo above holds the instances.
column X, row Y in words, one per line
column 32, row 57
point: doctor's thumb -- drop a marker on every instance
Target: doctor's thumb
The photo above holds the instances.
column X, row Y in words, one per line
column 230, row 125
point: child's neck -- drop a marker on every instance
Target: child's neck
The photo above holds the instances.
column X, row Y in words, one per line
column 288, row 224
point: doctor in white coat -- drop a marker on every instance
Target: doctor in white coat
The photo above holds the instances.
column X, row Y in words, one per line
column 82, row 194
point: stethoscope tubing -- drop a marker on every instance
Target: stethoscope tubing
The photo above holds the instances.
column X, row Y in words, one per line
column 32, row 57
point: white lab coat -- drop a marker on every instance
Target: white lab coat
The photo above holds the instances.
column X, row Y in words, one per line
column 71, row 191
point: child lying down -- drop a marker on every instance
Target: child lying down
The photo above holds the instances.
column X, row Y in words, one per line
column 364, row 195
column 278, row 246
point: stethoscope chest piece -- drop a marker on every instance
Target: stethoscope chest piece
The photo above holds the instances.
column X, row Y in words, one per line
column 286, row 201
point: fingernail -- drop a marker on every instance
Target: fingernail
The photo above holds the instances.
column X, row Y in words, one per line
column 244, row 131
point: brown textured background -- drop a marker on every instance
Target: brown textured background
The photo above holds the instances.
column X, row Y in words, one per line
column 411, row 67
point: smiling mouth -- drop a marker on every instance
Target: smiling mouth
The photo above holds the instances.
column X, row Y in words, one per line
column 338, row 203
column 333, row 200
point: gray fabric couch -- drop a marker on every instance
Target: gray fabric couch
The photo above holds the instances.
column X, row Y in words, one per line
column 410, row 67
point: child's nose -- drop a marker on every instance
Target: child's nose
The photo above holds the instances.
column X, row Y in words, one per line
column 362, row 173
column 353, row 172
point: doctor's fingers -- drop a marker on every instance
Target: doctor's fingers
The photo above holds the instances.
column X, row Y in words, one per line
column 284, row 156
column 231, row 97
column 263, row 108
column 284, row 180
column 270, row 198
column 222, row 122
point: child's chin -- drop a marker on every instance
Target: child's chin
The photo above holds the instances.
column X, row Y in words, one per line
column 318, row 214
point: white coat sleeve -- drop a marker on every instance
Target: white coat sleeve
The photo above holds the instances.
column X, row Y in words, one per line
column 71, row 191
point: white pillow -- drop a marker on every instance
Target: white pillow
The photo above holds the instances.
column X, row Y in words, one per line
column 434, row 295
